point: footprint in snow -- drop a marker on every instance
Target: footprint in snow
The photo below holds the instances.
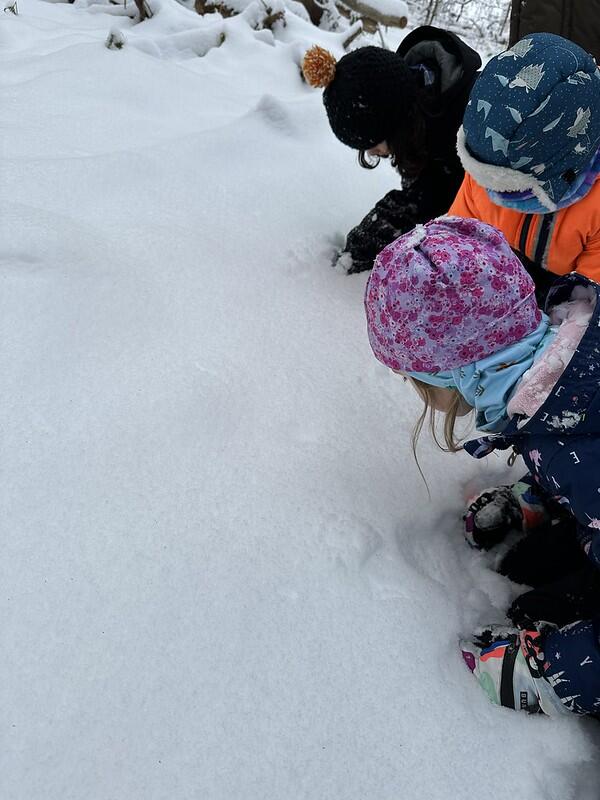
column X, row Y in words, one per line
column 275, row 114
column 351, row 541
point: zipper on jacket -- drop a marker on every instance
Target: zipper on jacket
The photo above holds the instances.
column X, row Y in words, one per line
column 524, row 234
column 541, row 246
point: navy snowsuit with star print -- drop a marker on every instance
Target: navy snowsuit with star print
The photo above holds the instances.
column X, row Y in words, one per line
column 560, row 445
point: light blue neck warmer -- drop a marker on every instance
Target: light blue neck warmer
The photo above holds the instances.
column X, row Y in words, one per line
column 487, row 385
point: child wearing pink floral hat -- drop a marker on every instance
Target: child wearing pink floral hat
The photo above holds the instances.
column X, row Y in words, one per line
column 451, row 307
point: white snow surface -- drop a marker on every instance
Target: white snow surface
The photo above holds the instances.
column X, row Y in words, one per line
column 222, row 576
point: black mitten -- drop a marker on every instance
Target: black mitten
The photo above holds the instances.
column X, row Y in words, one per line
column 491, row 516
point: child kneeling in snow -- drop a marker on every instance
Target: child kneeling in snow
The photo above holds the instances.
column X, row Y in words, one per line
column 451, row 307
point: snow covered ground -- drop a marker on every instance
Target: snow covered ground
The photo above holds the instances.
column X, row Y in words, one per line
column 222, row 577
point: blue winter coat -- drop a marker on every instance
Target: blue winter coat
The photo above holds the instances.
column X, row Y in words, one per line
column 560, row 444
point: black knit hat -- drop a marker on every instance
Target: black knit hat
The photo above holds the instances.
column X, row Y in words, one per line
column 368, row 92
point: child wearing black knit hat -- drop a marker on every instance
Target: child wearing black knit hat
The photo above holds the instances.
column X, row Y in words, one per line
column 407, row 105
column 365, row 92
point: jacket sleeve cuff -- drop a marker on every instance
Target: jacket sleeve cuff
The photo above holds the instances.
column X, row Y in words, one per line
column 589, row 541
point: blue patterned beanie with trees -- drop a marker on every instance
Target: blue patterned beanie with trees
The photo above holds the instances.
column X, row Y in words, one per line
column 531, row 130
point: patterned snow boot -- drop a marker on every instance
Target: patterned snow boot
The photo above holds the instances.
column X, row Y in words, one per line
column 509, row 665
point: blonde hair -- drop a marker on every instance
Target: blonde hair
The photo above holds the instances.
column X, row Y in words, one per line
column 451, row 442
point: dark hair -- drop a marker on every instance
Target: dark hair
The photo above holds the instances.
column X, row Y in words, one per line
column 408, row 145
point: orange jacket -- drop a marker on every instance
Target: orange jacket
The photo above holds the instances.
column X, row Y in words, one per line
column 561, row 242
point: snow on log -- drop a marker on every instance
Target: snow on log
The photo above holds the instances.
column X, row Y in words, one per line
column 387, row 13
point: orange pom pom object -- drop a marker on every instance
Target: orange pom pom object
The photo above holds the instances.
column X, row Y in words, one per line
column 318, row 67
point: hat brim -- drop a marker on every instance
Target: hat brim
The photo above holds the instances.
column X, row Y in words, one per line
column 500, row 179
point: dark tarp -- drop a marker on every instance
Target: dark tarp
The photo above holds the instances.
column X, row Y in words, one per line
column 578, row 20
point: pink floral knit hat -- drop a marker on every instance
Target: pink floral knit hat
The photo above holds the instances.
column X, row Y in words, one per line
column 446, row 294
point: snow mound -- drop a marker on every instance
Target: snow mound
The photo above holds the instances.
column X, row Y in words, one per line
column 222, row 576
